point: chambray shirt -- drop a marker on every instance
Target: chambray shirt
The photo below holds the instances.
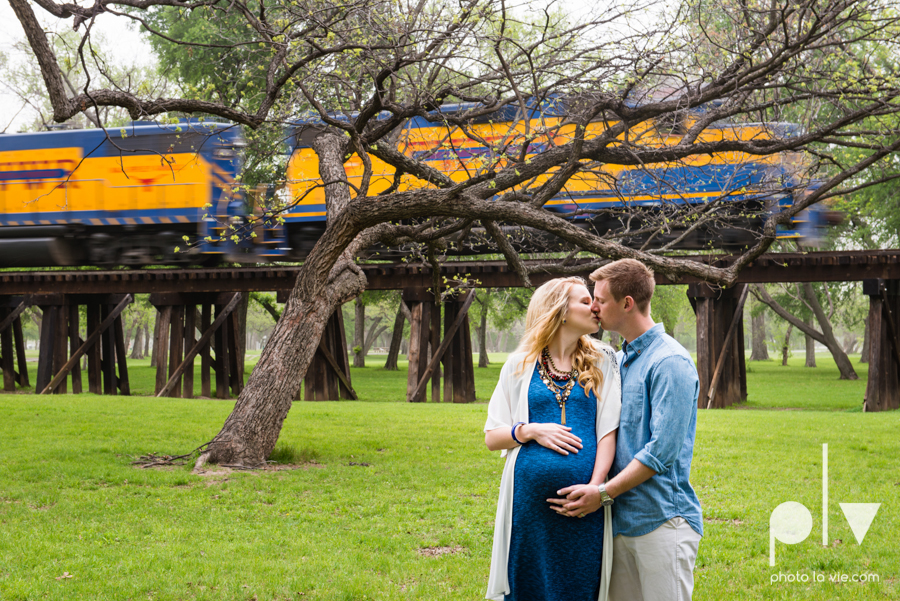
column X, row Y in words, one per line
column 657, row 427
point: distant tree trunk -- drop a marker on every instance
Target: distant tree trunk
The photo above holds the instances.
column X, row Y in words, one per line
column 481, row 330
column 374, row 332
column 501, row 345
column 138, row 351
column 810, row 351
column 615, row 340
column 130, row 329
column 864, row 352
column 146, row 340
column 396, row 339
column 155, row 338
column 241, row 333
column 359, row 334
column 759, row 351
column 786, row 347
column 826, row 336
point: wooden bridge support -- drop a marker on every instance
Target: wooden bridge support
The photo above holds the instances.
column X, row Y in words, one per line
column 328, row 375
column 883, row 387
column 12, row 342
column 177, row 344
column 719, row 311
column 104, row 346
column 426, row 350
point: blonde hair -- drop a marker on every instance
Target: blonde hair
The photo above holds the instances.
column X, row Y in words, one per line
column 546, row 312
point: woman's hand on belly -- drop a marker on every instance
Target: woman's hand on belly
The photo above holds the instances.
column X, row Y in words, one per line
column 555, row 437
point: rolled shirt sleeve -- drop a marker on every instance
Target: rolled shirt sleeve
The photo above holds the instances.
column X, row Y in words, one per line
column 672, row 397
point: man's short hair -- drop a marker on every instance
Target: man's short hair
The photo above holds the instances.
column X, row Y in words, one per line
column 628, row 277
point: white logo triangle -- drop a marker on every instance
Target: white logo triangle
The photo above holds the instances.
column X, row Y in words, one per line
column 860, row 516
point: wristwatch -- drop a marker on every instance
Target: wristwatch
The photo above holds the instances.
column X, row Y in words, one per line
column 605, row 499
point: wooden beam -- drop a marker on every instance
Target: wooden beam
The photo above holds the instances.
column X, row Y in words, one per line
column 892, row 326
column 74, row 340
column 20, row 353
column 195, row 350
column 435, row 359
column 9, row 319
column 337, row 369
column 726, row 347
column 61, row 375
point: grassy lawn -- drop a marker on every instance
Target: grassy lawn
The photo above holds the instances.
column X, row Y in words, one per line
column 396, row 501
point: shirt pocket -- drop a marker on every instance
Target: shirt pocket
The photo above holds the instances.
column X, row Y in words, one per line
column 632, row 403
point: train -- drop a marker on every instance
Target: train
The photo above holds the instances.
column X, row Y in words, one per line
column 131, row 196
column 155, row 193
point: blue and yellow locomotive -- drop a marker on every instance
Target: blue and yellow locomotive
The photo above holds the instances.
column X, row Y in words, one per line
column 125, row 196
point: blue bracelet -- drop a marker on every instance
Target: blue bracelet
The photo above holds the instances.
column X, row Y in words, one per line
column 517, row 424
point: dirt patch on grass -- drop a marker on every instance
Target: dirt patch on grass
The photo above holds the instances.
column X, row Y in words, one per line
column 734, row 522
column 222, row 472
column 438, row 551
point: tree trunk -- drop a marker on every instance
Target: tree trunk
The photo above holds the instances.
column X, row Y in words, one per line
column 138, row 351
column 396, row 338
column 810, row 351
column 128, row 335
column 615, row 340
column 373, row 333
column 483, row 359
column 759, row 351
column 840, row 357
column 146, row 340
column 864, row 352
column 501, row 344
column 786, row 348
column 826, row 336
column 329, row 277
column 359, row 334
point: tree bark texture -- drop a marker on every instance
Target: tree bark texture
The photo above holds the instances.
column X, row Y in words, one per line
column 328, row 279
column 155, row 338
column 758, row 351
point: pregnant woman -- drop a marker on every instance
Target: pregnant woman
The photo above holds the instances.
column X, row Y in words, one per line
column 554, row 416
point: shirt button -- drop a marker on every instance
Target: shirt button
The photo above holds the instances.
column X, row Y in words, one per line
column 639, row 352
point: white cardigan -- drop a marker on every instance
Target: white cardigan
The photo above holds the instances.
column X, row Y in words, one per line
column 509, row 405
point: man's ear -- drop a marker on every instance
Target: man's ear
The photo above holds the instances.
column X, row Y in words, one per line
column 629, row 303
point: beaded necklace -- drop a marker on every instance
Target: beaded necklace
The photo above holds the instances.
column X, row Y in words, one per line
column 549, row 374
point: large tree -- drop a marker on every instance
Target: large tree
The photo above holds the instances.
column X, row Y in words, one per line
column 660, row 78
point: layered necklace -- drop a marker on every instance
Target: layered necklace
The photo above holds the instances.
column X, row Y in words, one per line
column 559, row 383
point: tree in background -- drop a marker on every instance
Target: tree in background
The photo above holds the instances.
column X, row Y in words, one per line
column 758, row 349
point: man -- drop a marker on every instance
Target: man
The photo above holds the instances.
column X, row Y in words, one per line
column 657, row 521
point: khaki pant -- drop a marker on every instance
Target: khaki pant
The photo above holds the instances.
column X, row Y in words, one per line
column 658, row 566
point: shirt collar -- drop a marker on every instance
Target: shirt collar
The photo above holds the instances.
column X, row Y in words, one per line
column 644, row 340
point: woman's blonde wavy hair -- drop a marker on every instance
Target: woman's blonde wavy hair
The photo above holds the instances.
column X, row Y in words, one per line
column 546, row 312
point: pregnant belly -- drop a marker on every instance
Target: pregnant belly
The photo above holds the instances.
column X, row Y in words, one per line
column 540, row 472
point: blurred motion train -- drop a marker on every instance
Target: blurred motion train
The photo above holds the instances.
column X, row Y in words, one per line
column 135, row 195
column 126, row 196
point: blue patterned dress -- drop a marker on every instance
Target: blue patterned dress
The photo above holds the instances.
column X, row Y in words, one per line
column 552, row 557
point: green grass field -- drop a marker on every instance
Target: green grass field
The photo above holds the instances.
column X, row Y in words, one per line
column 395, row 501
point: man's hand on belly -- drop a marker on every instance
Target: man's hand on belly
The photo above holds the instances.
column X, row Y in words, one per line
column 576, row 501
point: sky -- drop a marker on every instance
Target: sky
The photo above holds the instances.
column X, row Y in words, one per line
column 128, row 44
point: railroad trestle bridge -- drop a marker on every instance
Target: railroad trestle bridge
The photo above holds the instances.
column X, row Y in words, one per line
column 192, row 301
